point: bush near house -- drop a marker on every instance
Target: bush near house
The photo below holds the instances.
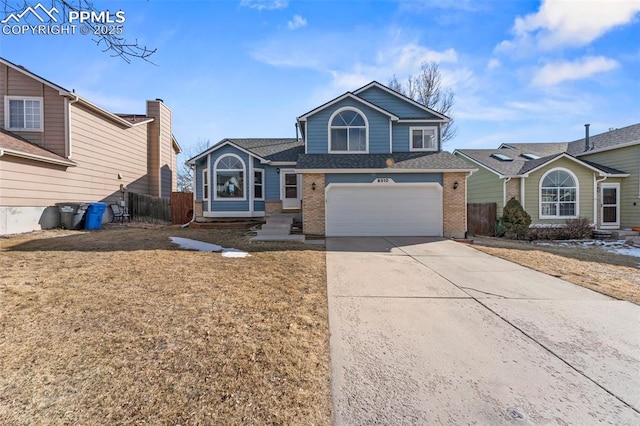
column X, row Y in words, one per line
column 515, row 220
column 573, row 229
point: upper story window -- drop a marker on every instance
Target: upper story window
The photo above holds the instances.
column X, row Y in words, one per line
column 229, row 178
column 558, row 194
column 424, row 138
column 348, row 130
column 23, row 113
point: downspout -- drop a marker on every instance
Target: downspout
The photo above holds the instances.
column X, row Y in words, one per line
column 67, row 121
column 1, row 152
column 596, row 182
column 522, row 187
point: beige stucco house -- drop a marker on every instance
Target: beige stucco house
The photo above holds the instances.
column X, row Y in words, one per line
column 56, row 146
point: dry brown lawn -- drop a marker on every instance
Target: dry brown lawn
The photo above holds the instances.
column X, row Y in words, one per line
column 119, row 326
column 608, row 273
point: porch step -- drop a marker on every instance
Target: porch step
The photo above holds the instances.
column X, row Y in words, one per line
column 601, row 235
column 277, row 228
column 297, row 237
column 623, row 234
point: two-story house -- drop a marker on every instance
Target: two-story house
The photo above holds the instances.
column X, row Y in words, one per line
column 56, row 146
column 368, row 163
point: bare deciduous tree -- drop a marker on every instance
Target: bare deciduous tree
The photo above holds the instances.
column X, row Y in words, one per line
column 108, row 40
column 185, row 172
column 426, row 88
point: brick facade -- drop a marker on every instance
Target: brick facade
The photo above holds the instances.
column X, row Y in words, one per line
column 513, row 190
column 313, row 204
column 271, row 207
column 454, row 205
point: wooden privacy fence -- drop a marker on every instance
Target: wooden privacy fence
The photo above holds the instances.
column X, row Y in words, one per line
column 147, row 208
column 481, row 218
column 181, row 207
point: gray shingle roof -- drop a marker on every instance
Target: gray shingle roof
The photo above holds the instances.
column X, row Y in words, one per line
column 543, row 149
column 520, row 165
column 506, row 168
column 272, row 149
column 606, row 140
column 407, row 160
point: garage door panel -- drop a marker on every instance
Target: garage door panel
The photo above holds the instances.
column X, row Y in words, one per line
column 393, row 210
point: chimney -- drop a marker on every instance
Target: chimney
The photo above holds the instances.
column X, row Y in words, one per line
column 586, row 137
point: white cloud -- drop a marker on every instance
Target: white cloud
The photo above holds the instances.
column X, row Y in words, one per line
column 556, row 72
column 561, row 23
column 493, row 64
column 296, row 22
column 265, row 4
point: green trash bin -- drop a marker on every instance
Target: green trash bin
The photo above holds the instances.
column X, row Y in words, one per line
column 72, row 214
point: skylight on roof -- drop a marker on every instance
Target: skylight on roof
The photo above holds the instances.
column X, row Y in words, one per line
column 502, row 157
column 530, row 156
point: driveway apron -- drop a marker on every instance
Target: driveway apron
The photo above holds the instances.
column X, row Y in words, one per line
column 428, row 331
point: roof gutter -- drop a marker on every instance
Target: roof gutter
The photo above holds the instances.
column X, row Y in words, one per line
column 67, row 163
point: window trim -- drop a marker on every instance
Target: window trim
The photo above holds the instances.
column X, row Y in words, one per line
column 577, row 201
column 215, row 178
column 7, row 113
column 423, row 128
column 205, row 184
column 366, row 131
column 261, row 183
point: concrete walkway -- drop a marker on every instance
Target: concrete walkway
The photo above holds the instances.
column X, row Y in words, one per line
column 431, row 331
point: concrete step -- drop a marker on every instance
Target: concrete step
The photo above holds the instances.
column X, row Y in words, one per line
column 298, row 237
column 285, row 228
column 622, row 234
column 280, row 220
column 272, row 232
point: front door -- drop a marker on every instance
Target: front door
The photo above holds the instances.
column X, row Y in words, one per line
column 290, row 189
column 610, row 211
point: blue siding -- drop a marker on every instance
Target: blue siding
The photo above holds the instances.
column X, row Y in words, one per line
column 230, row 206
column 369, row 177
column 393, row 104
column 272, row 183
column 317, row 128
column 400, row 135
column 258, row 206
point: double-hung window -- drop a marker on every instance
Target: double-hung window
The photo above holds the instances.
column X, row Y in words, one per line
column 23, row 113
column 424, row 138
column 258, row 184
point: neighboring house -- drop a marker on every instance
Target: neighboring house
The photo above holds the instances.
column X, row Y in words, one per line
column 370, row 162
column 597, row 177
column 58, row 147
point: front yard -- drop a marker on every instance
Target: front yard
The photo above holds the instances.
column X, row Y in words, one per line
column 608, row 273
column 121, row 326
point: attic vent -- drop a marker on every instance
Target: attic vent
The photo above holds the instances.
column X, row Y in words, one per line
column 502, row 157
column 530, row 156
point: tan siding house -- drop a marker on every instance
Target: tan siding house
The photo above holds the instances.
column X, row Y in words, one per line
column 70, row 150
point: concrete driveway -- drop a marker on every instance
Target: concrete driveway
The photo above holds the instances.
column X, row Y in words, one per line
column 428, row 331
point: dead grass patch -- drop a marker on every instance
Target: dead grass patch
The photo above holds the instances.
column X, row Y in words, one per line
column 121, row 326
column 607, row 273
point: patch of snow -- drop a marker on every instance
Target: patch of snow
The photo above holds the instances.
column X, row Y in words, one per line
column 189, row 244
column 234, row 253
column 618, row 247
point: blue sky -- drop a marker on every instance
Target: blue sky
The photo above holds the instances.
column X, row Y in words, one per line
column 522, row 71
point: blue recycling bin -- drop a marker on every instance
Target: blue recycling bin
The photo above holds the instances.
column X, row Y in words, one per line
column 93, row 219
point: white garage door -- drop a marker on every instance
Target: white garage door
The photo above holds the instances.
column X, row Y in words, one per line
column 396, row 209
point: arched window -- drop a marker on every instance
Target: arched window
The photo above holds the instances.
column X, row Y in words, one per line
column 229, row 178
column 348, row 131
column 558, row 194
